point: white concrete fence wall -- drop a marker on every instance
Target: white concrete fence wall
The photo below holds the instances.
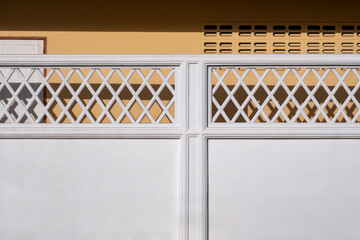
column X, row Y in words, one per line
column 196, row 176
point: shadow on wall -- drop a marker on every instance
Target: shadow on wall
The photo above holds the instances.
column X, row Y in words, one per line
column 167, row 16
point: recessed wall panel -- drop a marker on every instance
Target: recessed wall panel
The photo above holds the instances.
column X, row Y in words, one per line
column 89, row 189
column 284, row 189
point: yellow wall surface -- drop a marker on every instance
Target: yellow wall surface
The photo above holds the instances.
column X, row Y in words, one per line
column 83, row 42
column 151, row 27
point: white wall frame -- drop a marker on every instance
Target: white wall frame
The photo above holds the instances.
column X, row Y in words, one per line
column 192, row 126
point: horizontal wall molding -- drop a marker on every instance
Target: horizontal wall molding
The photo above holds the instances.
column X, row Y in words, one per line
column 175, row 60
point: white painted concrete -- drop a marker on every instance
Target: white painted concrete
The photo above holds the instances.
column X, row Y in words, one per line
column 89, row 189
column 284, row 189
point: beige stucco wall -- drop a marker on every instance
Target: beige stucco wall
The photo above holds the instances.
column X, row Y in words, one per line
column 151, row 27
column 76, row 42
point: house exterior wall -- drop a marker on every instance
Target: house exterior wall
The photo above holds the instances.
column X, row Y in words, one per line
column 151, row 27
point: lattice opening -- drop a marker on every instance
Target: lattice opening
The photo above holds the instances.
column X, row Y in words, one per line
column 285, row 95
column 87, row 95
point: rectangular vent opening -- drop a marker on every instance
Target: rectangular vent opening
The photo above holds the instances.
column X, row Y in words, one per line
column 290, row 38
